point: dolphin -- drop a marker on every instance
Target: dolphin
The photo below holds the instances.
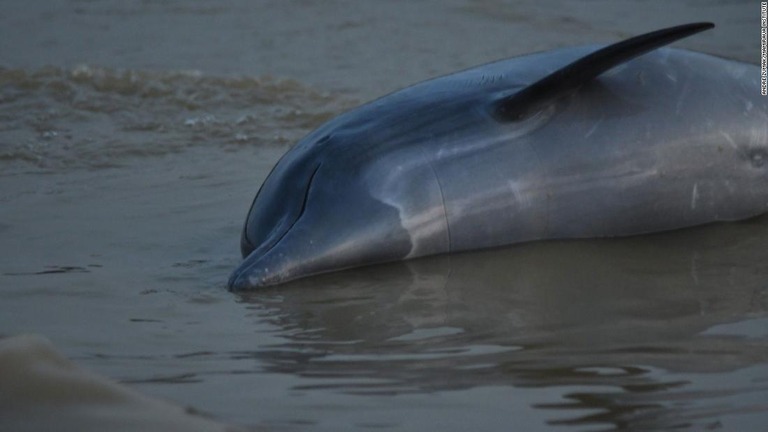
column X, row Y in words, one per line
column 584, row 142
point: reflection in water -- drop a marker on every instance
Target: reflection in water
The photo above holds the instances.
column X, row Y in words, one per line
column 634, row 321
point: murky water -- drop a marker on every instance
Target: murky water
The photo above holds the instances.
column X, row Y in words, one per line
column 133, row 136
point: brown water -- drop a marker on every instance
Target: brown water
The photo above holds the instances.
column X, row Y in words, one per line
column 133, row 136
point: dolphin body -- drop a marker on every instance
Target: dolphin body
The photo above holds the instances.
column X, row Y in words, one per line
column 579, row 142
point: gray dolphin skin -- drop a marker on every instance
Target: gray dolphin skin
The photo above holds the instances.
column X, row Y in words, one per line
column 595, row 141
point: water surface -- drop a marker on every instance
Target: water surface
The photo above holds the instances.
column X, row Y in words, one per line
column 133, row 136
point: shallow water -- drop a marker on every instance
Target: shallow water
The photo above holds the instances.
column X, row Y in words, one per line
column 133, row 136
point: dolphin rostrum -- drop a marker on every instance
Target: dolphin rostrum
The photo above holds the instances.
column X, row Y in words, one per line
column 625, row 139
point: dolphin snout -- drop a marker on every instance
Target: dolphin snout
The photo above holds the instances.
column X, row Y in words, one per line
column 239, row 281
column 252, row 278
column 252, row 273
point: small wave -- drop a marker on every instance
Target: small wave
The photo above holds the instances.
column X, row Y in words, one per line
column 90, row 117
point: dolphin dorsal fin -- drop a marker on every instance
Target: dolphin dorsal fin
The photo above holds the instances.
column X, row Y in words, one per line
column 569, row 78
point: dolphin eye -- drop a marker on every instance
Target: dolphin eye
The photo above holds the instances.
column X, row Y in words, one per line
column 322, row 142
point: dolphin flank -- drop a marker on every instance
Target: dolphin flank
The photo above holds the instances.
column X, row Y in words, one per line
column 593, row 141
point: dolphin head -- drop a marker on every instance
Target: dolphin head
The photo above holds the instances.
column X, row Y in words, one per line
column 327, row 206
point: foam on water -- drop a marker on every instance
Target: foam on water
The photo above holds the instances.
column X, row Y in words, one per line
column 91, row 117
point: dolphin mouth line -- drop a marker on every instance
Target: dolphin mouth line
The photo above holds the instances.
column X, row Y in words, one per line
column 301, row 212
column 244, row 271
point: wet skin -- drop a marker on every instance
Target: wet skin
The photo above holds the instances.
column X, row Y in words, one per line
column 667, row 140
